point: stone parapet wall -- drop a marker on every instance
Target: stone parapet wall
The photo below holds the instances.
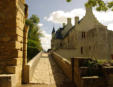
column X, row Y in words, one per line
column 64, row 64
column 32, row 65
column 76, row 72
column 68, row 53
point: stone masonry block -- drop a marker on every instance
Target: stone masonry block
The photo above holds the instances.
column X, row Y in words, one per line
column 7, row 80
column 11, row 54
column 11, row 44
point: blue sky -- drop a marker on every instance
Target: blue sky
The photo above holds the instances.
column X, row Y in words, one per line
column 55, row 12
column 43, row 8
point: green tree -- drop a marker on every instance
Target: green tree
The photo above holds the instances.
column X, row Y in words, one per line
column 100, row 5
column 68, row 0
column 34, row 34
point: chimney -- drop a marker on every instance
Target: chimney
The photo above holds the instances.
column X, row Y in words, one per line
column 89, row 10
column 64, row 25
column 76, row 20
column 68, row 20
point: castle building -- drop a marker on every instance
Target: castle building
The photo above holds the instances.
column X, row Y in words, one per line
column 87, row 38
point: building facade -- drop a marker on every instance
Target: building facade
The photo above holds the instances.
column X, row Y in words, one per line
column 87, row 38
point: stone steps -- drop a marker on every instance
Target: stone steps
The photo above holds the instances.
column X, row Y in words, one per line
column 93, row 81
column 48, row 85
column 10, row 66
column 7, row 80
column 83, row 71
column 91, row 78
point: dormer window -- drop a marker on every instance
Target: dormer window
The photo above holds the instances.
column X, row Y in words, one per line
column 83, row 35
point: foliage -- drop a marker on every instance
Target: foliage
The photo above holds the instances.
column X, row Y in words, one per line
column 69, row 0
column 102, row 61
column 34, row 44
column 100, row 5
column 105, row 62
column 94, row 68
column 31, row 52
column 34, row 34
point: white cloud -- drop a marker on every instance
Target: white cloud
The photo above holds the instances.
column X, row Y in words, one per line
column 61, row 16
column 40, row 24
column 105, row 18
column 107, row 0
column 46, row 40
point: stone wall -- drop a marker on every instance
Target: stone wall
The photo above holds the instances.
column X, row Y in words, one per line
column 76, row 71
column 88, row 37
column 12, row 22
column 32, row 66
column 64, row 65
column 66, row 53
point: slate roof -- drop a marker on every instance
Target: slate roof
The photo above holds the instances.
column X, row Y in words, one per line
column 53, row 31
column 69, row 31
column 80, row 20
column 58, row 34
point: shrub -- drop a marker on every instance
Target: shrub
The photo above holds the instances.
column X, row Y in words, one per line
column 33, row 48
column 31, row 52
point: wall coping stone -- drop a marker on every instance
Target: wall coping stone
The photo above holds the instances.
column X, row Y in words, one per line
column 63, row 59
column 6, row 75
column 30, row 63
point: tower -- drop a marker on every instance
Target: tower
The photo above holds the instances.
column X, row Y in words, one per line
column 53, row 32
column 52, row 40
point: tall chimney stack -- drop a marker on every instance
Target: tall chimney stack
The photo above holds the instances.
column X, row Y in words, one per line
column 68, row 20
column 89, row 10
column 76, row 20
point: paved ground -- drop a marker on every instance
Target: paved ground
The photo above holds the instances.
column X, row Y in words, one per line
column 48, row 74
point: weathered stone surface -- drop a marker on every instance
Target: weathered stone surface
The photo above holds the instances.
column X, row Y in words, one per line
column 12, row 21
column 65, row 65
column 11, row 44
column 47, row 72
column 88, row 38
column 13, row 53
column 7, row 80
column 14, row 62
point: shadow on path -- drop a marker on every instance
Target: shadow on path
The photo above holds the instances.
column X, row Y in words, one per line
column 61, row 79
column 48, row 74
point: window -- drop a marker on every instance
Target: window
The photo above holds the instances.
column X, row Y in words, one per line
column 81, row 50
column 89, row 48
column 83, row 35
column 60, row 44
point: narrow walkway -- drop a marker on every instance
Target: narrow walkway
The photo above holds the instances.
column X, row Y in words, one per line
column 48, row 74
